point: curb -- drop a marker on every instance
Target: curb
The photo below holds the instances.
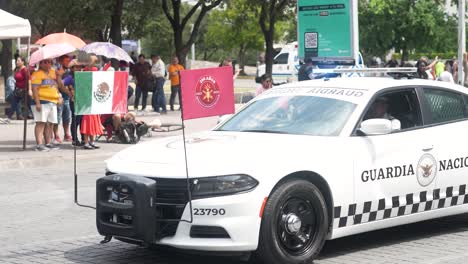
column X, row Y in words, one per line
column 20, row 163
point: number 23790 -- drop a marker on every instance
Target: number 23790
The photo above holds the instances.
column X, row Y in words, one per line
column 209, row 211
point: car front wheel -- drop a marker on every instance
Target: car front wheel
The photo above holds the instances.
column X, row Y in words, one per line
column 294, row 224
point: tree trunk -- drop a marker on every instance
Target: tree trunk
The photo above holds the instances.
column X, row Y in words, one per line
column 116, row 23
column 241, row 58
column 269, row 53
column 6, row 59
column 180, row 51
column 404, row 56
column 268, row 14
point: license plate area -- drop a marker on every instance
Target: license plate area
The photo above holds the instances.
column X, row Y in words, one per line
column 125, row 206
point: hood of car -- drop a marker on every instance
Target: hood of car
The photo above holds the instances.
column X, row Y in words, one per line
column 210, row 153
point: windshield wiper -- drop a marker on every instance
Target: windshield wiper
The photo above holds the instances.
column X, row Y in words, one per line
column 264, row 131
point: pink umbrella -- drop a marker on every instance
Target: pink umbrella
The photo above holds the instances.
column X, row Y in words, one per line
column 62, row 38
column 51, row 51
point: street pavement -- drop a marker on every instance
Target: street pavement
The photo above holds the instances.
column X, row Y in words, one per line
column 39, row 222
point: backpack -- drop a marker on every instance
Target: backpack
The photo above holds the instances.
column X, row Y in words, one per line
column 130, row 132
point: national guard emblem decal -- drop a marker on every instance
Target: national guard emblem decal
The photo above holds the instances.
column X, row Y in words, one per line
column 102, row 93
column 427, row 169
column 207, row 91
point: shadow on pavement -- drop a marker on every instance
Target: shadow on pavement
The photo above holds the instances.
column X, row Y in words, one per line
column 18, row 143
column 119, row 252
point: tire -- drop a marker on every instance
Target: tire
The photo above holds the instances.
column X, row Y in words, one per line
column 284, row 238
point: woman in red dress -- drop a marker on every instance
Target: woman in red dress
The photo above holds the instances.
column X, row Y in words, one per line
column 91, row 124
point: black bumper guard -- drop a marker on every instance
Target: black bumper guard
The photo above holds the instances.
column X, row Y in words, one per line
column 127, row 207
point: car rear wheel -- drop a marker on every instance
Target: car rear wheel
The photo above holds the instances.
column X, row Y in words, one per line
column 294, row 224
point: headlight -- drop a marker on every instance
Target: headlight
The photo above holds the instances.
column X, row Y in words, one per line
column 222, row 185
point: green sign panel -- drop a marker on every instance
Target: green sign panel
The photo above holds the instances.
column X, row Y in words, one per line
column 324, row 29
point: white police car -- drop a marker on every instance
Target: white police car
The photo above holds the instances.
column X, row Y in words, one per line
column 300, row 164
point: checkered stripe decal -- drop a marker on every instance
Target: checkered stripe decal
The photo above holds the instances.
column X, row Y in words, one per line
column 411, row 203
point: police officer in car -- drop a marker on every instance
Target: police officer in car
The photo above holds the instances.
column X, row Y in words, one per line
column 379, row 109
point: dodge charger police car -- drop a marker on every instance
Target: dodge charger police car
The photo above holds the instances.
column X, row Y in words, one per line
column 300, row 164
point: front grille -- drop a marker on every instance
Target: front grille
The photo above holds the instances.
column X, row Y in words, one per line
column 171, row 191
column 171, row 198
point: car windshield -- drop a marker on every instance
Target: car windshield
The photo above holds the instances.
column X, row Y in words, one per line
column 302, row 115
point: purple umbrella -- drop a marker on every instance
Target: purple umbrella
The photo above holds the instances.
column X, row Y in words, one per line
column 108, row 50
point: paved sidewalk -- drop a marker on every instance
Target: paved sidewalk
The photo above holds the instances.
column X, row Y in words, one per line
column 12, row 154
column 431, row 242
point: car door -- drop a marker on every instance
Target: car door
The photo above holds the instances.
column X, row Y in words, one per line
column 386, row 167
column 449, row 129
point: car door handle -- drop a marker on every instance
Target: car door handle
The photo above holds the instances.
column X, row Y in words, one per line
column 428, row 148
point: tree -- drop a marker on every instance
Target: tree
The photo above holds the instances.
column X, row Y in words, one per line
column 116, row 23
column 235, row 29
column 422, row 26
column 86, row 18
column 210, row 45
column 179, row 23
column 270, row 12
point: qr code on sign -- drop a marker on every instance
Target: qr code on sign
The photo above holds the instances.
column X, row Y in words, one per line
column 311, row 41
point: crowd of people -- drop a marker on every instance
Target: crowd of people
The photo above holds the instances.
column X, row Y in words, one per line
column 437, row 69
column 49, row 99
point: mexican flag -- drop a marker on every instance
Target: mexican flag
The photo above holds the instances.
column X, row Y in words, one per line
column 101, row 92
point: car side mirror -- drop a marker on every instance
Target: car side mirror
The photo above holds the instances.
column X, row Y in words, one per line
column 379, row 126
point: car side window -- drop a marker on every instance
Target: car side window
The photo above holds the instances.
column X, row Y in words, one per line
column 401, row 105
column 444, row 106
column 282, row 59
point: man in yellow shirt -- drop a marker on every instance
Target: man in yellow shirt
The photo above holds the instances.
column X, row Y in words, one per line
column 173, row 70
column 46, row 95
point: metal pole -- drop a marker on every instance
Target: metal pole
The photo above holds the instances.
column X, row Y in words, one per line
column 355, row 31
column 461, row 39
column 26, row 96
column 193, row 47
column 189, row 192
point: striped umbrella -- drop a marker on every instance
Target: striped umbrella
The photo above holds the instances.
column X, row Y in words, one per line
column 108, row 50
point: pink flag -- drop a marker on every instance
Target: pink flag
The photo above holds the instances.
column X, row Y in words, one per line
column 207, row 92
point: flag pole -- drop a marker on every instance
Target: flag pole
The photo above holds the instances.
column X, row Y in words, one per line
column 75, row 175
column 185, row 152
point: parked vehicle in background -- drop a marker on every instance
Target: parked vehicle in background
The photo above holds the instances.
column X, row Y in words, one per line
column 286, row 65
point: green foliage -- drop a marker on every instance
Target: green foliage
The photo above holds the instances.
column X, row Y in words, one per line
column 158, row 38
column 84, row 18
column 233, row 30
column 407, row 25
column 142, row 17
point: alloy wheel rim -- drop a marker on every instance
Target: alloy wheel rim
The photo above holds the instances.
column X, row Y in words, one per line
column 296, row 226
